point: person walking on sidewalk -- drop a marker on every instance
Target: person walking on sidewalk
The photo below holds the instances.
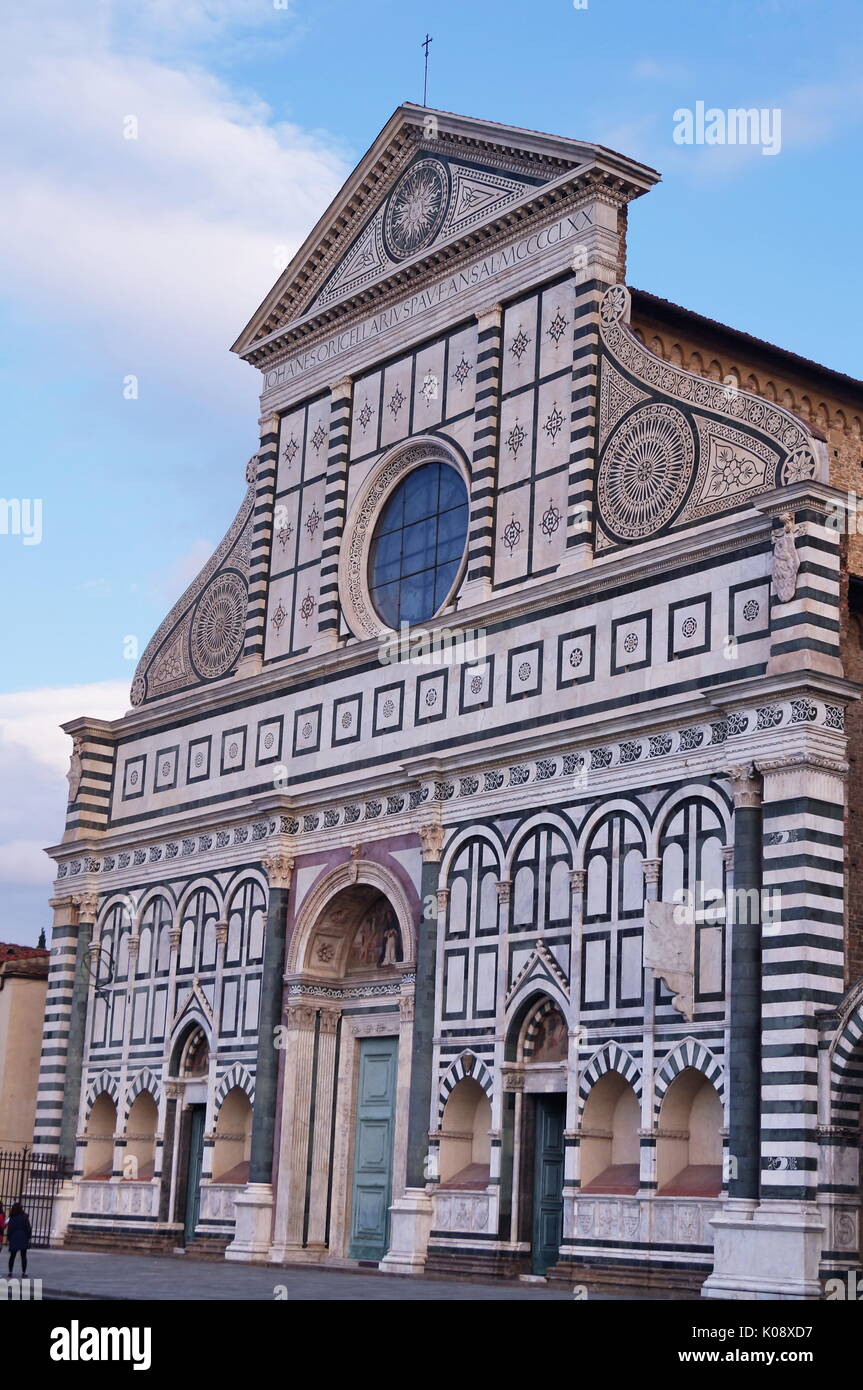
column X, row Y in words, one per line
column 2, row 1223
column 18, row 1236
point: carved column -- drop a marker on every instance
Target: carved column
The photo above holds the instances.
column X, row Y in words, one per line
column 221, row 932
column 744, row 1061
column 411, row 1212
column 299, row 1062
column 647, row 1145
column 324, row 1089
column 254, row 1206
column 419, row 1112
column 279, row 870
column 87, row 905
column 572, row 1158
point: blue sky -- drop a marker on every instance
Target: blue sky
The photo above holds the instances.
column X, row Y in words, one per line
column 144, row 257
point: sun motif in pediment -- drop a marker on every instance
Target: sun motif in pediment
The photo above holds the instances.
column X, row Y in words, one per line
column 416, row 208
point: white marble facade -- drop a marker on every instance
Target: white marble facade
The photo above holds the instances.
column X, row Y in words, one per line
column 637, row 679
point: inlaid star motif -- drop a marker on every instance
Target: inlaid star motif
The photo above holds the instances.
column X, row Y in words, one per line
column 290, row 450
column 554, row 424
column 518, row 346
column 318, row 438
column 557, row 327
column 397, row 400
column 462, row 371
column 512, row 534
column 365, row 416
column 515, row 439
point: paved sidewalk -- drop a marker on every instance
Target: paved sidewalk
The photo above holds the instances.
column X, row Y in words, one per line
column 80, row 1274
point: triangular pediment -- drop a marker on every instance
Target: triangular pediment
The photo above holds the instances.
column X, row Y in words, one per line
column 429, row 179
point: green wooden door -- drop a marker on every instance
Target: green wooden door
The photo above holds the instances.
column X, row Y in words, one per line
column 548, row 1181
column 373, row 1148
column 193, row 1171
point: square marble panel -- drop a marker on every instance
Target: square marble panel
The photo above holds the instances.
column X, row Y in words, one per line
column 576, row 657
column 631, row 643
column 233, row 750
column 269, row 740
column 689, row 627
column 347, row 718
column 749, row 610
column 524, row 671
column 477, row 685
column 431, row 691
column 166, row 769
column 388, row 707
column 198, row 759
column 307, row 730
column 134, row 772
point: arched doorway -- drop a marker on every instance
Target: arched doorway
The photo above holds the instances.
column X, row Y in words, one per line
column 534, row 1123
column 189, row 1069
column 345, row 1061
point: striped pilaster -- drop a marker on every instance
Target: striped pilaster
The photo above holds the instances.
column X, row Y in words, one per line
column 259, row 557
column 802, row 959
column 804, row 617
column 744, row 987
column 90, row 773
column 335, row 502
column 87, row 905
column 583, row 414
column 484, row 455
column 55, row 1032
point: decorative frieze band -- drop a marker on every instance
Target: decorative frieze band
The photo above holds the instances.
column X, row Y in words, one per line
column 578, row 766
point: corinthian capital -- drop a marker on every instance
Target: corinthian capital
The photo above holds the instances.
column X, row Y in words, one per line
column 745, row 786
column 431, row 838
column 87, row 905
column 279, row 869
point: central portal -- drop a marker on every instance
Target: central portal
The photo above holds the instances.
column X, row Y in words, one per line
column 548, row 1181
column 373, row 1148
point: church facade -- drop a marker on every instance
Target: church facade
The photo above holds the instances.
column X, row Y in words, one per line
column 465, row 888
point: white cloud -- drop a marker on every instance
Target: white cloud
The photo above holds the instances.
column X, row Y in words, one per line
column 25, row 862
column 162, row 245
column 30, row 722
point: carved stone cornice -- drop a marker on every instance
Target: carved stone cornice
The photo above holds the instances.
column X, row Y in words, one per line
column 279, row 869
column 790, row 762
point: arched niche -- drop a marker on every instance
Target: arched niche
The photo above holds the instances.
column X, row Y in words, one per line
column 356, row 923
column 233, row 1138
column 465, row 1146
column 99, row 1133
column 140, row 1154
column 609, row 1137
column 689, row 1142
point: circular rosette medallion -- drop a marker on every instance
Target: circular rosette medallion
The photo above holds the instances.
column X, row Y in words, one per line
column 645, row 472
column 219, row 624
column 416, row 208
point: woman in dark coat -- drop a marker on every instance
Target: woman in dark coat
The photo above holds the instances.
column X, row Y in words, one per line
column 18, row 1236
